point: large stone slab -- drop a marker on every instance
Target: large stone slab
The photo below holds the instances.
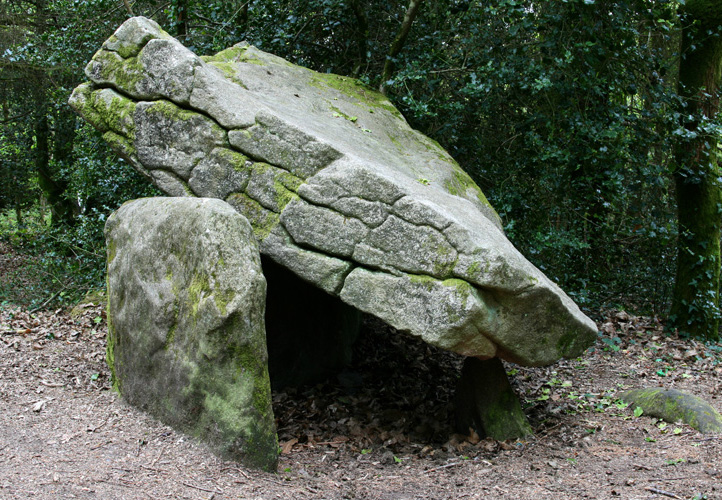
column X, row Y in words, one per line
column 337, row 186
column 186, row 337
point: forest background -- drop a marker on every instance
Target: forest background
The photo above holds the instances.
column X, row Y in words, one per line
column 591, row 126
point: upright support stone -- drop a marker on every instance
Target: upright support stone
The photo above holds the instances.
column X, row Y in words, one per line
column 486, row 403
column 186, row 336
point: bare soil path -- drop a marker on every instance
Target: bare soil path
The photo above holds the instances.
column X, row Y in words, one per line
column 382, row 430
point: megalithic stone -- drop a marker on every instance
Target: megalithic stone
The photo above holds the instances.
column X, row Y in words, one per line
column 186, row 335
column 337, row 186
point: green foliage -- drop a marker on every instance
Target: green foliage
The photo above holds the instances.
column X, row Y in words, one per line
column 564, row 112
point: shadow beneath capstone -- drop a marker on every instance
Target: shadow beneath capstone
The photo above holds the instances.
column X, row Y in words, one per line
column 337, row 372
column 396, row 394
column 309, row 333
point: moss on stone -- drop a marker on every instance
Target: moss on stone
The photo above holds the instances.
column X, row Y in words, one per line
column 565, row 344
column 121, row 145
column 82, row 102
column 230, row 71
column 262, row 220
column 474, row 269
column 673, row 406
column 460, row 183
column 112, row 340
column 171, row 111
column 198, row 289
column 125, row 73
column 234, row 158
column 111, row 251
column 485, row 401
column 117, row 115
column 170, row 337
column 363, row 94
column 231, row 54
column 427, row 282
column 223, row 298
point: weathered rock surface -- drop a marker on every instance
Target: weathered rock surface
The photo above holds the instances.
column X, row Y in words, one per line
column 486, row 403
column 338, row 189
column 186, row 336
column 673, row 406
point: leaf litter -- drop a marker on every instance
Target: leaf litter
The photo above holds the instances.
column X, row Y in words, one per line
column 382, row 429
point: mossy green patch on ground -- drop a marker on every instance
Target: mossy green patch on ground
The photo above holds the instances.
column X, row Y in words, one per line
column 673, row 406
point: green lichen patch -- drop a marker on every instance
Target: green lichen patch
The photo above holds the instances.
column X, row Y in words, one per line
column 674, row 406
column 112, row 340
column 198, row 290
column 222, row 298
column 262, row 220
column 337, row 113
column 236, row 160
column 272, row 187
column 460, row 184
column 423, row 280
column 171, row 111
column 365, row 96
column 123, row 73
column 82, row 102
column 231, row 54
column 230, row 71
column 121, row 145
column 116, row 112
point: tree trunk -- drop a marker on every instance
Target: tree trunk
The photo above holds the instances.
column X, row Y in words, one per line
column 182, row 21
column 399, row 42
column 53, row 189
column 361, row 34
column 695, row 303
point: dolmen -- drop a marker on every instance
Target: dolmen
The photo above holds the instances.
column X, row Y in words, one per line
column 340, row 193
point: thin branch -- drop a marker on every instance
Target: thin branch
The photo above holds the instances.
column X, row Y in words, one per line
column 8, row 120
column 128, row 8
column 398, row 43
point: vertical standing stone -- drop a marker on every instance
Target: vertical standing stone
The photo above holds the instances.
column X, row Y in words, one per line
column 486, row 402
column 186, row 342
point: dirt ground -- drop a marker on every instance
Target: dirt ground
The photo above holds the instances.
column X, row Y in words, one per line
column 381, row 430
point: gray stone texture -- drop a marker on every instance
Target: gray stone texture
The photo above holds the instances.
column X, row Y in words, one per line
column 337, row 186
column 187, row 340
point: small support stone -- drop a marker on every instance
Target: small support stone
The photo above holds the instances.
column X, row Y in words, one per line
column 486, row 403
